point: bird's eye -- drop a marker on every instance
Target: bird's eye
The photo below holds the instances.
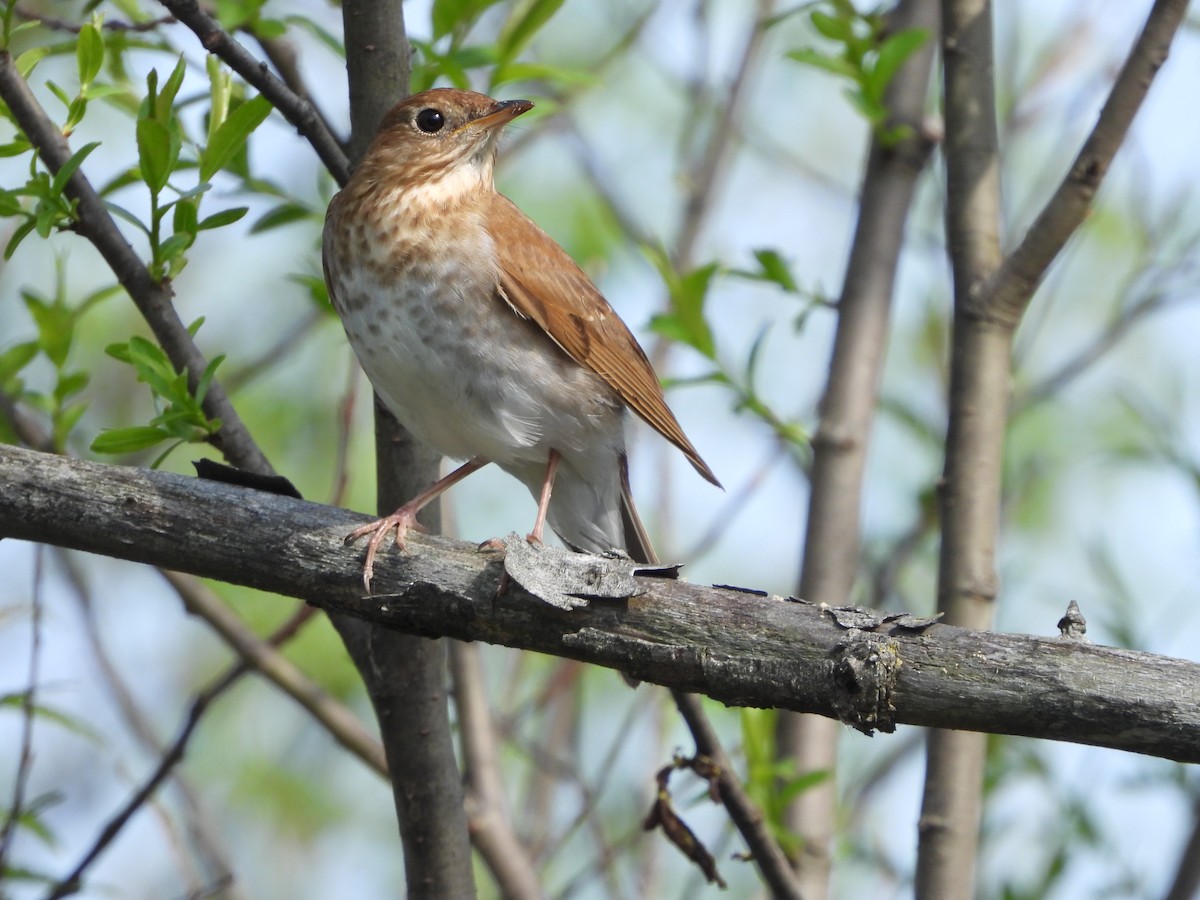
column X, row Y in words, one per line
column 430, row 121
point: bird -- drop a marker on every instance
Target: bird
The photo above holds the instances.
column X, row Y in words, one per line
column 481, row 335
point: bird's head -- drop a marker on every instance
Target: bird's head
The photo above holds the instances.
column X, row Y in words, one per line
column 442, row 141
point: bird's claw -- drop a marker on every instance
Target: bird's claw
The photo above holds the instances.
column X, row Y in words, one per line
column 401, row 521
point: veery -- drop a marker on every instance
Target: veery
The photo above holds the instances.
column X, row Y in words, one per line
column 481, row 334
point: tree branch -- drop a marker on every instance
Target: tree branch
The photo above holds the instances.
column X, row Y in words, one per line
column 1009, row 290
column 833, row 533
column 262, row 656
column 740, row 648
column 969, row 493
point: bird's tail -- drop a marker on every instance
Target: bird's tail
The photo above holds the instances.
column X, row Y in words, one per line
column 637, row 542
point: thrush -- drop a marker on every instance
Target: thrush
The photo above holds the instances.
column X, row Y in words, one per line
column 481, row 334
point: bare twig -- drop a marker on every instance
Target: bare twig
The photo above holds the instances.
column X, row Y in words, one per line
column 1010, row 288
column 200, row 825
column 492, row 833
column 261, row 656
column 56, row 24
column 774, row 866
column 283, row 56
column 1186, row 884
column 28, row 712
column 706, row 177
column 73, row 882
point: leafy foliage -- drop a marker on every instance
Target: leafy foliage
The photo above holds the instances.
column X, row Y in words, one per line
column 867, row 56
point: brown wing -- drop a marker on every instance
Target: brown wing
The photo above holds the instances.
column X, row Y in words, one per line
column 542, row 283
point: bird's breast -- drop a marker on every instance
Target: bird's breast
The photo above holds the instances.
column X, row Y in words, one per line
column 418, row 299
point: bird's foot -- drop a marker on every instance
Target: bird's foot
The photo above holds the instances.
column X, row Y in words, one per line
column 401, row 521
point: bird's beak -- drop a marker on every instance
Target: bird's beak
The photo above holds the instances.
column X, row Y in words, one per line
column 501, row 114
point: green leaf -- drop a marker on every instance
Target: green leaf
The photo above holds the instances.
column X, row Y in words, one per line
column 452, row 15
column 268, row 29
column 65, row 422
column 165, row 100
column 836, row 65
column 224, row 217
column 10, row 203
column 326, row 37
column 69, row 167
column 122, row 213
column 318, row 291
column 154, row 153
column 220, row 90
column 504, row 73
column 124, row 179
column 186, row 217
column 19, row 234
column 18, row 147
column 836, row 28
column 59, row 93
column 232, row 135
column 30, row 58
column 128, row 440
column 892, row 54
column 526, row 21
column 284, row 214
column 206, row 378
column 793, row 788
column 775, row 270
column 55, row 325
column 15, row 358
column 89, row 53
column 174, row 246
column 69, row 384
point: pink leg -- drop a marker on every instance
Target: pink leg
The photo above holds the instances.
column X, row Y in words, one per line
column 539, row 524
column 405, row 518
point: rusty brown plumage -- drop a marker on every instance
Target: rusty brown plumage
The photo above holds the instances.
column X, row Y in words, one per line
column 541, row 282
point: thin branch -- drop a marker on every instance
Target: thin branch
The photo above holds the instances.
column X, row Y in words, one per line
column 1009, row 289
column 867, row 669
column 262, row 657
column 73, row 882
column 1186, row 883
column 970, row 490
column 56, row 24
column 294, row 108
column 1096, row 350
column 492, row 833
column 201, row 826
column 153, row 299
column 706, row 177
column 28, row 712
column 285, row 58
column 775, row 867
